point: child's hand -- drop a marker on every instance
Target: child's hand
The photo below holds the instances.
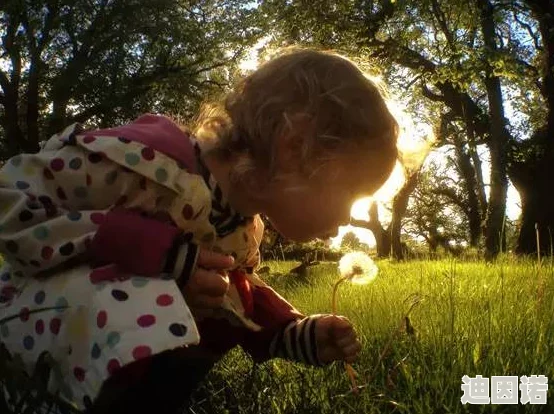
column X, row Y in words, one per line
column 207, row 286
column 336, row 339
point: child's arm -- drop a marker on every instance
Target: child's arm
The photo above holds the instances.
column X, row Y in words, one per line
column 314, row 340
column 286, row 332
column 141, row 245
column 145, row 246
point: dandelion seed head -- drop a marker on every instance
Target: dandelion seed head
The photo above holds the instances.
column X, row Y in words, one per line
column 358, row 267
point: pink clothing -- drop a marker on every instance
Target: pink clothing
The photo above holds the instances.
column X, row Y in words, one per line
column 159, row 133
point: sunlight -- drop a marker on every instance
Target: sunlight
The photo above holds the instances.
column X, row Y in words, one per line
column 414, row 143
column 360, row 209
column 251, row 61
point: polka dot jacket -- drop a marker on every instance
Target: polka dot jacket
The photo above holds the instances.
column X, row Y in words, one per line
column 99, row 230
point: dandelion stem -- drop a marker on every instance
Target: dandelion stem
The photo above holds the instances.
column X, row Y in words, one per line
column 349, row 369
column 335, row 290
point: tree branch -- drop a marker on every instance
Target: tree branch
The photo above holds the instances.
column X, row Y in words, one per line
column 450, row 194
column 529, row 29
column 403, row 54
column 428, row 93
column 441, row 19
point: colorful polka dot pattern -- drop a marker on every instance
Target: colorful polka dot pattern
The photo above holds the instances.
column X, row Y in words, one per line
column 129, row 319
column 152, row 332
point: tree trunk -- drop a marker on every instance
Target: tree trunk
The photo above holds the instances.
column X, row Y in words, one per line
column 471, row 188
column 382, row 236
column 533, row 179
column 33, row 105
column 58, row 118
column 387, row 241
column 14, row 137
column 497, row 142
column 481, row 192
column 476, row 164
column 537, row 216
column 399, row 206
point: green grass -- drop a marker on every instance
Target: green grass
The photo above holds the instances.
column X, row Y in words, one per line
column 473, row 318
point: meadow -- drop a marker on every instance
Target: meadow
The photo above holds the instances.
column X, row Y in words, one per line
column 467, row 318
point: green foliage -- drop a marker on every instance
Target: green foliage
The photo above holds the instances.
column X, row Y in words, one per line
column 105, row 62
column 351, row 242
column 474, row 319
column 436, row 210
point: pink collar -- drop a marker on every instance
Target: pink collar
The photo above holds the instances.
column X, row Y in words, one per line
column 159, row 133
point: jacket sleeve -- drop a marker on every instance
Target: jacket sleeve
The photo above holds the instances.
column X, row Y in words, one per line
column 286, row 332
column 55, row 208
column 143, row 245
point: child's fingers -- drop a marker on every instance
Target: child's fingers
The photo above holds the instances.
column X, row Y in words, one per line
column 205, row 282
column 346, row 340
column 341, row 326
column 212, row 260
column 352, row 349
column 342, row 336
column 340, row 322
column 206, row 289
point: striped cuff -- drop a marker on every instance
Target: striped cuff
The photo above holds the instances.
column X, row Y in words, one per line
column 181, row 260
column 297, row 342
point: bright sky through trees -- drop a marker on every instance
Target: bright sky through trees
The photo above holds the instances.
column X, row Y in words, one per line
column 415, row 139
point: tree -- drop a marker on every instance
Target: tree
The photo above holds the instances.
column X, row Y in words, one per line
column 107, row 61
column 461, row 180
column 439, row 209
column 532, row 160
column 456, row 54
column 388, row 241
column 498, row 134
column 352, row 242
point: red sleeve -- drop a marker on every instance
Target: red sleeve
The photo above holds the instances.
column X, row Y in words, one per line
column 136, row 244
column 273, row 313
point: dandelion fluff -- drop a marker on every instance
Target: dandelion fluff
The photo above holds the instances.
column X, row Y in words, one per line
column 358, row 268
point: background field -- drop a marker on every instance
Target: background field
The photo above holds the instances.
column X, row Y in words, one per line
column 473, row 318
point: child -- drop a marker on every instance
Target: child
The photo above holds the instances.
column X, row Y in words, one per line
column 101, row 233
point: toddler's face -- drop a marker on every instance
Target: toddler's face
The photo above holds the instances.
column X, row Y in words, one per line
column 322, row 203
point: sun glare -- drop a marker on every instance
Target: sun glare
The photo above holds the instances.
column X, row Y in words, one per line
column 414, row 143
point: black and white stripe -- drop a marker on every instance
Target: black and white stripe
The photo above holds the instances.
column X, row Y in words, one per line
column 297, row 342
column 181, row 260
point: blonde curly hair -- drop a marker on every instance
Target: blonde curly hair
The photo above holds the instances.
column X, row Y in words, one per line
column 320, row 100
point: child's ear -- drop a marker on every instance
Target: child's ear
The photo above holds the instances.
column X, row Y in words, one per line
column 295, row 137
column 248, row 175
